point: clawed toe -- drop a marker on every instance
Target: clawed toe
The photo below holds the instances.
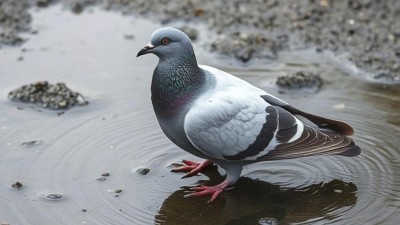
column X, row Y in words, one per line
column 214, row 191
column 193, row 168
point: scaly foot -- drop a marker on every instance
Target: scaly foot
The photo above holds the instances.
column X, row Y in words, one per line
column 193, row 168
column 214, row 191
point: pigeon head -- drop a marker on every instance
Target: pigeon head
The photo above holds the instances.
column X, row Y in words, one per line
column 168, row 42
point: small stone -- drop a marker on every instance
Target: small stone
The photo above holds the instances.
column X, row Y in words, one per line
column 84, row 210
column 17, row 185
column 30, row 143
column 105, row 174
column 117, row 191
column 268, row 221
column 54, row 196
column 338, row 191
column 143, row 171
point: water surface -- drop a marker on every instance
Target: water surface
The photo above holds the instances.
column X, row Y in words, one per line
column 118, row 133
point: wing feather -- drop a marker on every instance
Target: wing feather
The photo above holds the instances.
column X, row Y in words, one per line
column 226, row 122
column 314, row 142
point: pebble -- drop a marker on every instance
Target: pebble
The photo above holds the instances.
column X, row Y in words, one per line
column 143, row 171
column 17, row 185
column 31, row 143
column 54, row 196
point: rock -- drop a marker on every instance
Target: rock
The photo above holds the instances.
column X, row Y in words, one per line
column 245, row 46
column 54, row 196
column 52, row 96
column 31, row 143
column 17, row 185
column 300, row 80
column 143, row 171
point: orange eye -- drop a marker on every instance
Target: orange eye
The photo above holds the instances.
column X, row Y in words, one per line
column 165, row 41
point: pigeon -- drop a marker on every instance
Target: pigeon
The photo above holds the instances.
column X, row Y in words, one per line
column 226, row 120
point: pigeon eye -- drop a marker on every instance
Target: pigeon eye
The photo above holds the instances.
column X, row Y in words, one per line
column 165, row 41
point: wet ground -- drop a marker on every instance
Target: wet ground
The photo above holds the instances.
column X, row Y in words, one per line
column 62, row 160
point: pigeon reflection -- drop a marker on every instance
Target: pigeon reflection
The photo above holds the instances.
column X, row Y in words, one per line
column 252, row 200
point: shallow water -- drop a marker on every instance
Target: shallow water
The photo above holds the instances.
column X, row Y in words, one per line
column 118, row 133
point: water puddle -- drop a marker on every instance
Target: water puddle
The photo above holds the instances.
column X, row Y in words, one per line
column 116, row 137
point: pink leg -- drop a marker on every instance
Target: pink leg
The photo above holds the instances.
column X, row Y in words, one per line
column 214, row 191
column 193, row 168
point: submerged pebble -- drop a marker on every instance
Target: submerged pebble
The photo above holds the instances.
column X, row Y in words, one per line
column 143, row 171
column 52, row 96
column 17, row 185
column 31, row 143
column 54, row 196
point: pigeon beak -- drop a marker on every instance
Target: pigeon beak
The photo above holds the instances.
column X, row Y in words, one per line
column 146, row 49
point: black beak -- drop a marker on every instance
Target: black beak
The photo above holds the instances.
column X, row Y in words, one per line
column 145, row 50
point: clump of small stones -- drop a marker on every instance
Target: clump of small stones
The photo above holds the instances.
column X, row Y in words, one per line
column 300, row 80
column 14, row 18
column 51, row 96
column 367, row 30
column 243, row 45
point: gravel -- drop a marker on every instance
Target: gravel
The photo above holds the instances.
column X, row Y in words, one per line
column 51, row 96
column 300, row 80
column 367, row 31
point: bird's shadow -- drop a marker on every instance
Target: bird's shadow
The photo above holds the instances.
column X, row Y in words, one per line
column 254, row 200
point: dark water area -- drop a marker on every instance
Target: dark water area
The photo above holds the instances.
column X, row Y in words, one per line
column 117, row 133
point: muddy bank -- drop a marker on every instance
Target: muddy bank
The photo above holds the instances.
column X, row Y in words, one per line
column 365, row 32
